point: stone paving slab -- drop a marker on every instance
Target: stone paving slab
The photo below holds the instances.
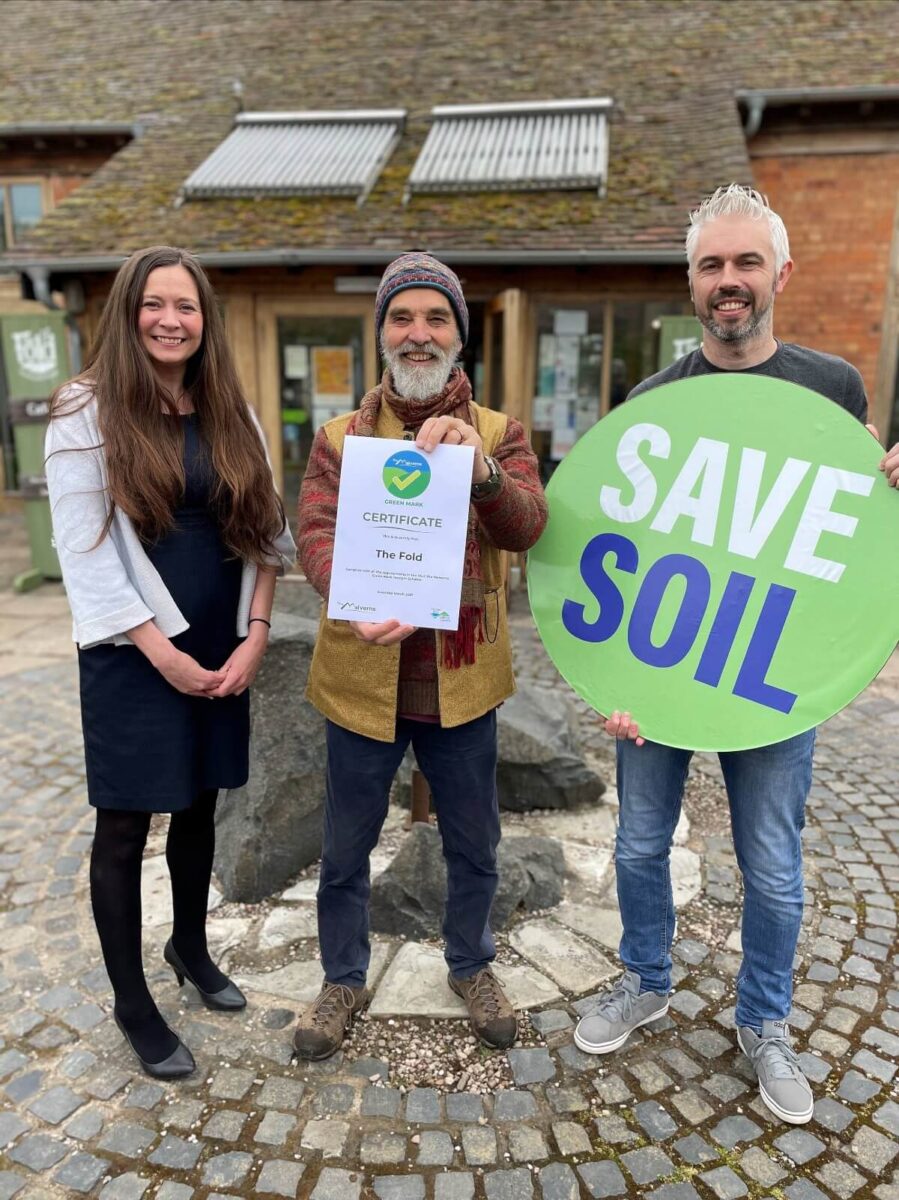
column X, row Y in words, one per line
column 569, row 960
column 602, row 925
column 415, row 985
column 301, row 981
column 156, row 893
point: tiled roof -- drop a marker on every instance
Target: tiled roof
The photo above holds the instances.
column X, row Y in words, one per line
column 671, row 68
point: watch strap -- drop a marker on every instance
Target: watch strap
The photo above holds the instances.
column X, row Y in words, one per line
column 491, row 484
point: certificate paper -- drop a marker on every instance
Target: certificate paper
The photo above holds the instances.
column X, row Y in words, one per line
column 399, row 544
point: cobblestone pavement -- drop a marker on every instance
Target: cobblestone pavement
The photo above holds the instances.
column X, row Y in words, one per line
column 674, row 1115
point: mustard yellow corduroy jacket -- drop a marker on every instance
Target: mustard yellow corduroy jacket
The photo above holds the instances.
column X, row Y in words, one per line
column 355, row 684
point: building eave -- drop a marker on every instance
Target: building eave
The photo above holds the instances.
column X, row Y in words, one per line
column 69, row 129
column 776, row 97
column 89, row 263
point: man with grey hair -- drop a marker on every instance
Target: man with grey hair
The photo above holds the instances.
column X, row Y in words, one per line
column 738, row 262
column 383, row 685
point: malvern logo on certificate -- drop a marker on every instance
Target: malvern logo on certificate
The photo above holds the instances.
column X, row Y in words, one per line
column 399, row 543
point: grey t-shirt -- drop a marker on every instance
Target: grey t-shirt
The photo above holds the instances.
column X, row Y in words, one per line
column 826, row 374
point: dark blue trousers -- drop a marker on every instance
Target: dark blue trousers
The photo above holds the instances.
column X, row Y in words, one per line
column 460, row 767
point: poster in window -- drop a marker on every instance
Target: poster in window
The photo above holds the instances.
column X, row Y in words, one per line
column 546, row 365
column 564, row 428
column 332, row 382
column 542, row 414
column 568, row 358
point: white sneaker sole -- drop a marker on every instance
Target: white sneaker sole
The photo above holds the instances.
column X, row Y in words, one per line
column 791, row 1118
column 608, row 1047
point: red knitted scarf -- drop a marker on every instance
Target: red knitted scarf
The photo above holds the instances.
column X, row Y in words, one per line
column 454, row 400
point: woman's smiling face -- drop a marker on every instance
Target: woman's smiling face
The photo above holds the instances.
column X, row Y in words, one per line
column 171, row 320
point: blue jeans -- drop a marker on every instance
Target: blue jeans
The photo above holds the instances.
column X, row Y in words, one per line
column 766, row 790
column 460, row 767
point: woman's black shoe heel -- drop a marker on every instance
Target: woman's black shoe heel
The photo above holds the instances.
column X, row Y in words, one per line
column 229, row 999
column 178, row 1064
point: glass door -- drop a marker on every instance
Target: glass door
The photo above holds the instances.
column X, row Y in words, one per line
column 569, row 351
column 317, row 360
column 321, row 368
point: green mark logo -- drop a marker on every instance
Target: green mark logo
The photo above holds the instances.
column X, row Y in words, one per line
column 406, row 474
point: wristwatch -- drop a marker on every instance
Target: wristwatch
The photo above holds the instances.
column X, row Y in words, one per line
column 491, row 485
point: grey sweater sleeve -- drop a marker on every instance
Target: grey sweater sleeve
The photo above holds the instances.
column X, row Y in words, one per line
column 103, row 600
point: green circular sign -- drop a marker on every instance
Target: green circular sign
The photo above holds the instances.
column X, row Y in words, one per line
column 721, row 562
column 406, row 474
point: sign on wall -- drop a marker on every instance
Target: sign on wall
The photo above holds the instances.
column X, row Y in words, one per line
column 720, row 561
column 35, row 357
column 678, row 337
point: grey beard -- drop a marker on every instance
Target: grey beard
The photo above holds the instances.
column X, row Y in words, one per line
column 422, row 382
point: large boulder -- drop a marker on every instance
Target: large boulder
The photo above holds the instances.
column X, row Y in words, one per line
column 272, row 827
column 408, row 898
column 540, row 763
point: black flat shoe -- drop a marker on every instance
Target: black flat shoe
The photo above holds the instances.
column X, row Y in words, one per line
column 229, row 999
column 178, row 1064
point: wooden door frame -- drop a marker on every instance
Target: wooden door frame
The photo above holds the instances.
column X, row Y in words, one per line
column 511, row 307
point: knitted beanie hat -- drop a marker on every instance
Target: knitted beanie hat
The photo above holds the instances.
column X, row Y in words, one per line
column 419, row 270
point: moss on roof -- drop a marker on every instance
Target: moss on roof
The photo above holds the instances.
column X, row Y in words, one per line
column 672, row 69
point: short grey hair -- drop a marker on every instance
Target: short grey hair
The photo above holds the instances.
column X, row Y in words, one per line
column 735, row 199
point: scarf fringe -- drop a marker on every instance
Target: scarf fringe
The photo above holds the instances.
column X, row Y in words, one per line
column 459, row 646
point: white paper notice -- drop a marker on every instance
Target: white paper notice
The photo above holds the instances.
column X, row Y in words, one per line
column 296, row 362
column 399, row 544
column 570, row 320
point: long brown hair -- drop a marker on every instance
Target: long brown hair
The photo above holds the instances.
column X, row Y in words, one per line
column 144, row 446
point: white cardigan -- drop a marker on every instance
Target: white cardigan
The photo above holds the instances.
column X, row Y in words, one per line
column 112, row 586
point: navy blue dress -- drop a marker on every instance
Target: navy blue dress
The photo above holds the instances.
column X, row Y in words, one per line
column 148, row 747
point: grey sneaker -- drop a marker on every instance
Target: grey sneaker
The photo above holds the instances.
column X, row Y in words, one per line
column 782, row 1085
column 620, row 1011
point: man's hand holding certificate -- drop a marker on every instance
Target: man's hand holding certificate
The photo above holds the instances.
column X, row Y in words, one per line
column 399, row 546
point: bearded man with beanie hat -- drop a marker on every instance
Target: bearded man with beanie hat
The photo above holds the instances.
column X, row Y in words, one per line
column 384, row 685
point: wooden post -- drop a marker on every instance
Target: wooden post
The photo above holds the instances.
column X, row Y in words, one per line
column 421, row 798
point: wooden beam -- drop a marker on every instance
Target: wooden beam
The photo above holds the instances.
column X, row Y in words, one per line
column 240, row 326
column 421, row 799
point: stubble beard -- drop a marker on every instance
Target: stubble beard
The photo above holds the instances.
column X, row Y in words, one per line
column 422, row 381
column 757, row 324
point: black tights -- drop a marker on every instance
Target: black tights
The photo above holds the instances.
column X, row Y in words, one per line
column 116, row 859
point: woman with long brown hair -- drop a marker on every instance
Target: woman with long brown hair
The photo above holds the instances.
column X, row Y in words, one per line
column 170, row 534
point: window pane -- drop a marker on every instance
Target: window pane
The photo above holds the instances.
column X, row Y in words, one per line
column 635, row 346
column 321, row 371
column 27, row 207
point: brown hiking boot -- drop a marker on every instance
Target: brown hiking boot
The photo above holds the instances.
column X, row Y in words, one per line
column 322, row 1024
column 492, row 1016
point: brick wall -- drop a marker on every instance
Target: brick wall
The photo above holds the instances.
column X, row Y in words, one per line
column 839, row 210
